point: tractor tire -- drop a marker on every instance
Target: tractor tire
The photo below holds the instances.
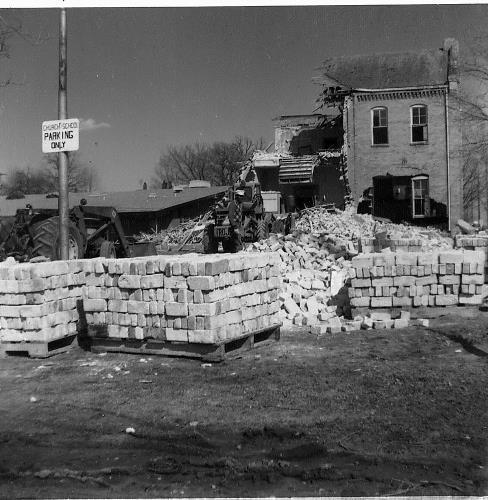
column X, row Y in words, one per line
column 233, row 245
column 45, row 237
column 208, row 241
column 263, row 229
column 107, row 250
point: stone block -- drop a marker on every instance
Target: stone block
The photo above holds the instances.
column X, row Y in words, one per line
column 446, row 300
column 450, row 279
column 361, row 302
column 361, row 283
column 203, row 336
column 205, row 309
column 380, row 316
column 471, row 299
column 383, row 259
column 400, row 323
column 472, row 279
column 381, row 302
column 216, row 267
column 175, row 282
column 205, row 283
column 91, row 305
column 451, row 257
column 406, row 259
column 362, row 260
column 117, row 306
column 382, row 282
column 404, row 280
column 152, row 281
column 404, row 301
column 176, row 309
column 129, row 281
column 137, row 307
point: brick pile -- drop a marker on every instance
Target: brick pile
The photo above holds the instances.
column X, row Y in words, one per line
column 445, row 278
column 39, row 302
column 188, row 298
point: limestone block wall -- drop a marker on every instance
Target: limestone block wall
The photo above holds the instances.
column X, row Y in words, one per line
column 367, row 245
column 39, row 302
column 189, row 298
column 471, row 242
column 412, row 279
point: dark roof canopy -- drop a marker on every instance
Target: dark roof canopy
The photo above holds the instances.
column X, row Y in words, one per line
column 382, row 71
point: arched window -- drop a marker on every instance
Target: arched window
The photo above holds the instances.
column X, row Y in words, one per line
column 418, row 120
column 379, row 119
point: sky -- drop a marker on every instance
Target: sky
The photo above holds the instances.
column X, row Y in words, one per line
column 141, row 79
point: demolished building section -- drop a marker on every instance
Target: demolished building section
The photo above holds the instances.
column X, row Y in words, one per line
column 388, row 140
column 402, row 138
column 306, row 167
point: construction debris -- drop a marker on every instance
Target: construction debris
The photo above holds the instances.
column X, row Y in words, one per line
column 314, row 270
column 316, row 265
column 187, row 232
column 349, row 226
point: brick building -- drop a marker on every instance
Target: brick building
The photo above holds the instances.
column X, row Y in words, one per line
column 402, row 130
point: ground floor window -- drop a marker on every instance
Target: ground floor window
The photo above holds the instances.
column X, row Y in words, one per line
column 420, row 190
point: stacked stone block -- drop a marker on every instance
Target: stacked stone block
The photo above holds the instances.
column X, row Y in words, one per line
column 370, row 245
column 190, row 298
column 472, row 242
column 39, row 302
column 405, row 279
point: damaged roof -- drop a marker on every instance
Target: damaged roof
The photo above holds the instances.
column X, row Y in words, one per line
column 388, row 70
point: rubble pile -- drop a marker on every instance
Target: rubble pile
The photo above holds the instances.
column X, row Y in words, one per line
column 348, row 226
column 313, row 272
column 189, row 231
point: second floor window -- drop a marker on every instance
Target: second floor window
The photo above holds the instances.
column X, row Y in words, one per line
column 380, row 126
column 419, row 123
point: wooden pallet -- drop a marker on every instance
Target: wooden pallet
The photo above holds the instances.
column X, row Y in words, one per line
column 228, row 349
column 38, row 349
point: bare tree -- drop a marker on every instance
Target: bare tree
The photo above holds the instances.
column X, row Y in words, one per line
column 81, row 176
column 22, row 181
column 218, row 163
column 10, row 28
column 472, row 104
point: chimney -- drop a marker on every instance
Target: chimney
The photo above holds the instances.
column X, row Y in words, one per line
column 451, row 47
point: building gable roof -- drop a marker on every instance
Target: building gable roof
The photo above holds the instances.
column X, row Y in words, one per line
column 384, row 71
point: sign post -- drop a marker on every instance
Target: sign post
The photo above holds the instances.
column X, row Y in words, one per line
column 63, row 202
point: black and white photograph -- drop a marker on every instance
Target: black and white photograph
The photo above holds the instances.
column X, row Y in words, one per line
column 243, row 250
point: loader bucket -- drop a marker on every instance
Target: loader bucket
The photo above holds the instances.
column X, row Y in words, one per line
column 143, row 248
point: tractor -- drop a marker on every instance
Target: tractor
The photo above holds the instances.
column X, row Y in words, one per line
column 238, row 217
column 92, row 232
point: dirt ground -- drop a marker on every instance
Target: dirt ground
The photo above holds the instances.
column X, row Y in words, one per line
column 365, row 413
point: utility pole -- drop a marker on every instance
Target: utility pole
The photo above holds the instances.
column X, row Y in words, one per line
column 63, row 202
